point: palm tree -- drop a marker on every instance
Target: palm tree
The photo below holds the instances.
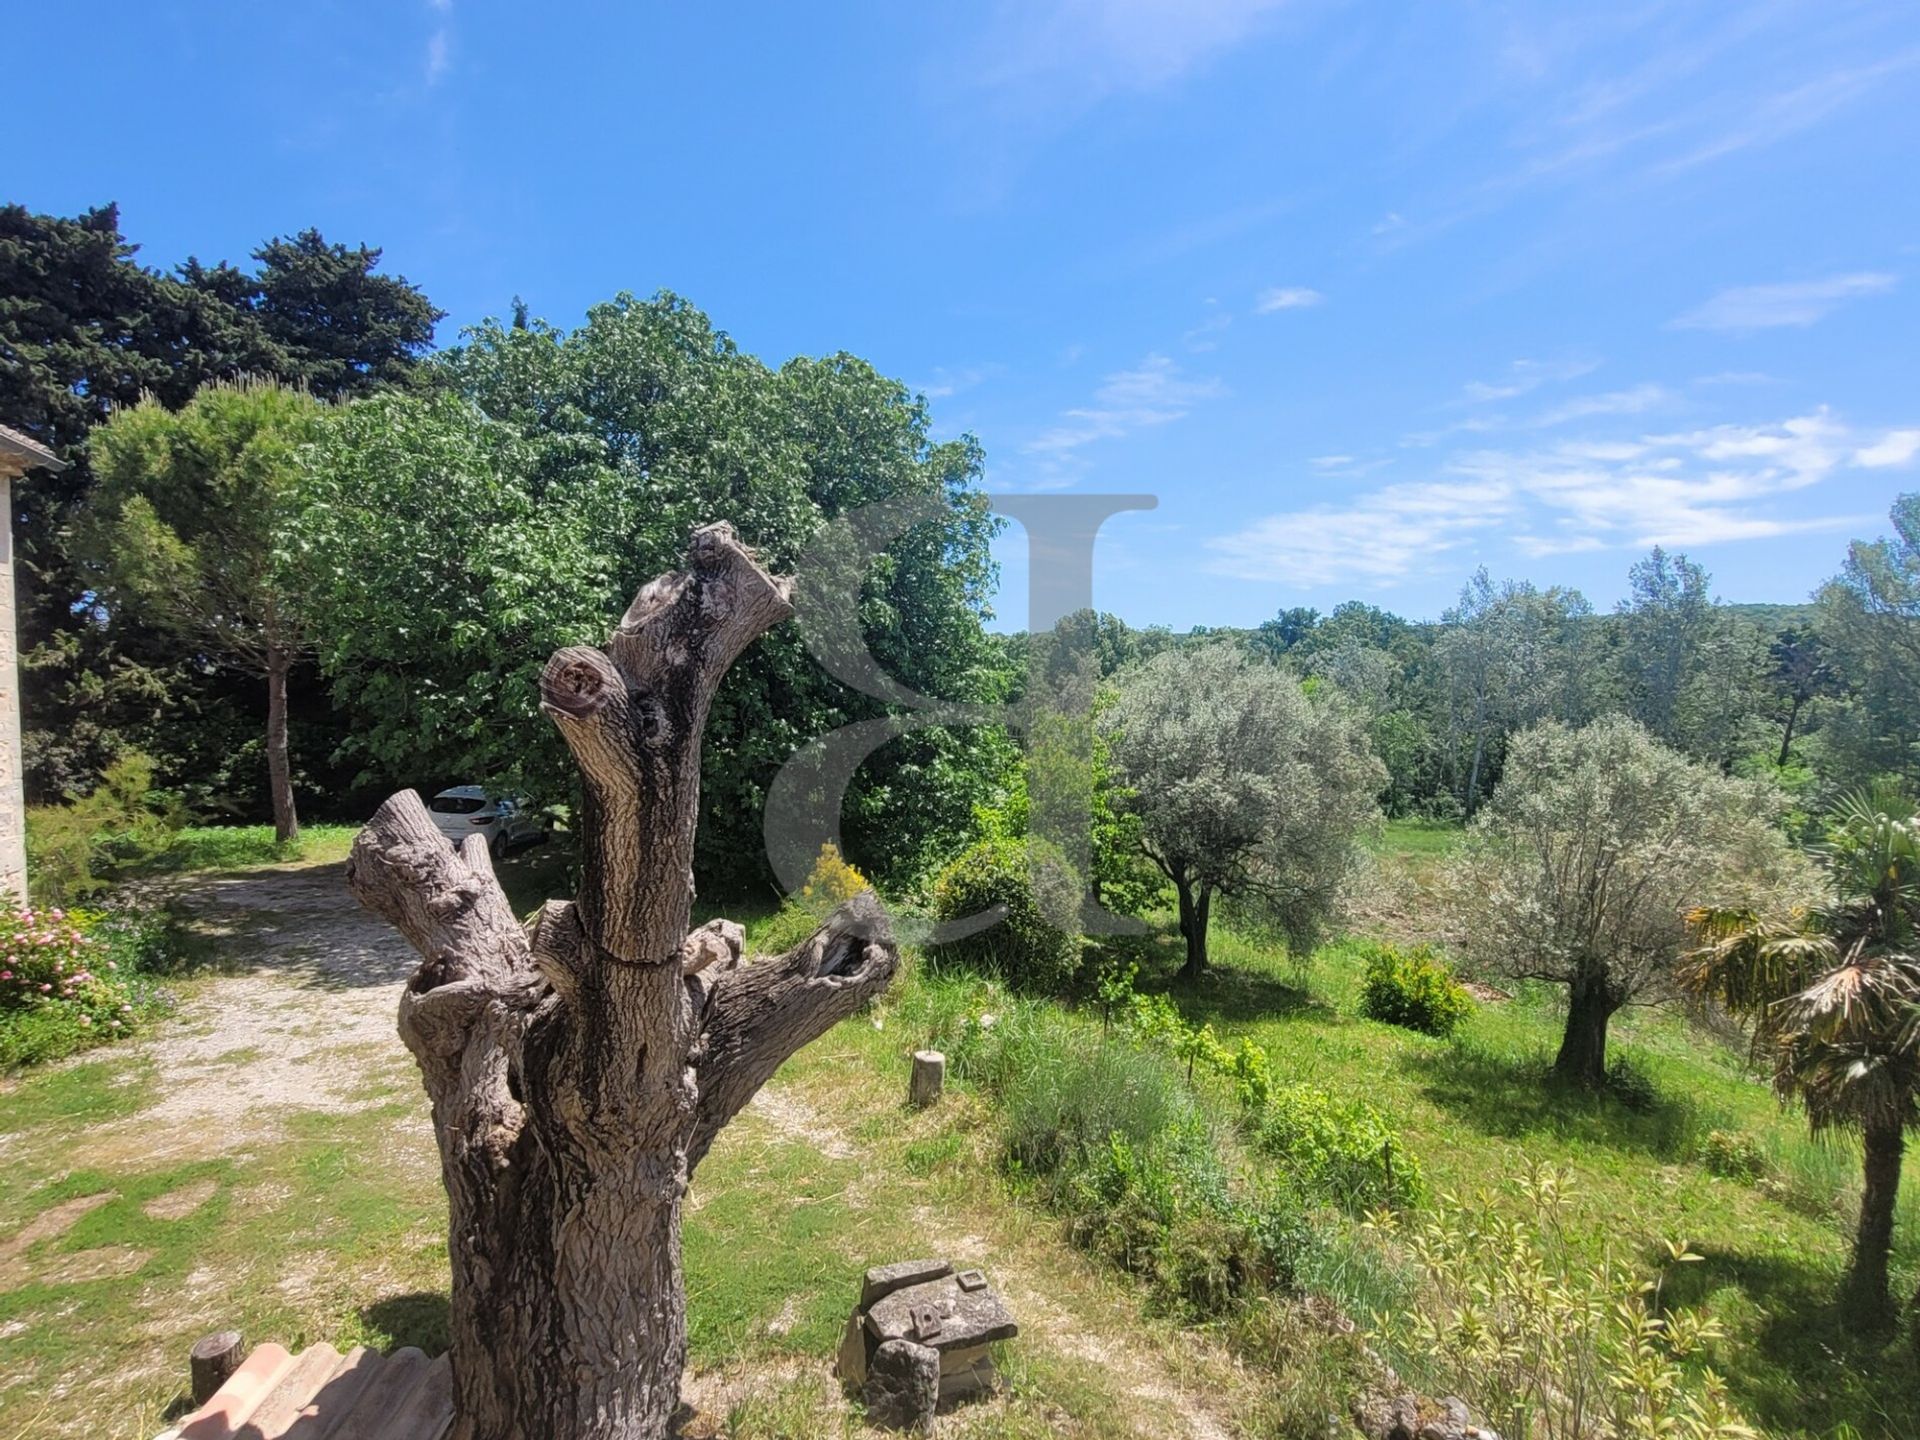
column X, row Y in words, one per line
column 1832, row 993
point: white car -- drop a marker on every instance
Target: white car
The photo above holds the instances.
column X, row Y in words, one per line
column 505, row 820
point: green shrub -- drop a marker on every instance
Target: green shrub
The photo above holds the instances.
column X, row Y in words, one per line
column 1733, row 1155
column 74, row 850
column 1343, row 1151
column 1544, row 1341
column 1026, row 881
column 1412, row 988
column 69, row 981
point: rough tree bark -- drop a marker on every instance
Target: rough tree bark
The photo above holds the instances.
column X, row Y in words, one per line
column 1195, row 900
column 1866, row 1296
column 581, row 1066
column 1583, row 1048
column 286, row 820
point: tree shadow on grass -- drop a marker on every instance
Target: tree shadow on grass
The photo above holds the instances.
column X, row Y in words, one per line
column 1229, row 994
column 1512, row 1096
column 1803, row 1372
column 418, row 1319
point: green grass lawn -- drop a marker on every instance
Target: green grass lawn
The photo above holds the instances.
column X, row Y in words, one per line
column 1417, row 839
column 113, row 1258
column 1479, row 1108
column 240, row 847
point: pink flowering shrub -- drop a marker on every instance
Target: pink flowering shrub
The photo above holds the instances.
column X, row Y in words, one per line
column 65, row 984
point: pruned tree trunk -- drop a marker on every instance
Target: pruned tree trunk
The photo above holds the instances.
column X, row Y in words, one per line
column 286, row 820
column 580, row 1067
column 1866, row 1301
column 1583, row 1049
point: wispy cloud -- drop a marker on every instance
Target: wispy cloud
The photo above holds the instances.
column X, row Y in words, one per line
column 1899, row 447
column 1381, row 536
column 1154, row 392
column 1206, row 335
column 1071, row 53
column 1795, row 302
column 1286, row 297
column 1525, row 376
column 1636, row 400
column 1790, row 111
column 1699, row 487
column 439, row 44
column 947, row 382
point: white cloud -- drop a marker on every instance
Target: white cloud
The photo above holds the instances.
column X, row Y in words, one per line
column 1154, row 392
column 1075, row 52
column 946, row 382
column 1381, row 536
column 1800, row 302
column 1331, row 462
column 1203, row 336
column 1286, row 297
column 1790, row 111
column 1635, row 401
column 1897, row 448
column 1525, row 376
column 438, row 57
column 1700, row 487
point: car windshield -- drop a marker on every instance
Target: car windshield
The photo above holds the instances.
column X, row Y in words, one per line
column 457, row 804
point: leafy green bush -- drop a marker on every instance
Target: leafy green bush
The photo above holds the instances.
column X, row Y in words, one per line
column 1733, row 1155
column 74, row 850
column 1545, row 1342
column 1339, row 1150
column 71, row 980
column 1110, row 1135
column 1025, row 881
column 1413, row 989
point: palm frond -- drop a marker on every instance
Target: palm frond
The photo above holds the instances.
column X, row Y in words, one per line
column 1749, row 961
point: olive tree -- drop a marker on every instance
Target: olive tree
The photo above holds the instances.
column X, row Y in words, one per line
column 1582, row 867
column 1245, row 788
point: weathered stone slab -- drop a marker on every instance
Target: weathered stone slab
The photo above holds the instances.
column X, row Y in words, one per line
column 941, row 1314
column 883, row 1280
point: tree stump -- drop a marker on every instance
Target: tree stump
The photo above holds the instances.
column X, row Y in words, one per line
column 928, row 1080
column 212, row 1360
column 580, row 1067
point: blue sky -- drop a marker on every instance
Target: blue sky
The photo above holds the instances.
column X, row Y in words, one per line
column 1367, row 294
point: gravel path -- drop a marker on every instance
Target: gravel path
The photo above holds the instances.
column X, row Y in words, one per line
column 307, row 1023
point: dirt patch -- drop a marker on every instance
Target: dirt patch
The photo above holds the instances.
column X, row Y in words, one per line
column 53, row 1221
column 794, row 1118
column 178, row 1204
column 313, row 1017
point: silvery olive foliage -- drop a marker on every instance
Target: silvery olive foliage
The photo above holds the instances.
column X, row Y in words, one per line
column 1582, row 867
column 1245, row 787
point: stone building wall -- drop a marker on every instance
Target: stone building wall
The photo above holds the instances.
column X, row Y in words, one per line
column 13, row 815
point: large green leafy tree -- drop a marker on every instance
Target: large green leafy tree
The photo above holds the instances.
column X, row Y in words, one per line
column 1869, row 618
column 456, row 538
column 1831, row 992
column 184, row 523
column 86, row 330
